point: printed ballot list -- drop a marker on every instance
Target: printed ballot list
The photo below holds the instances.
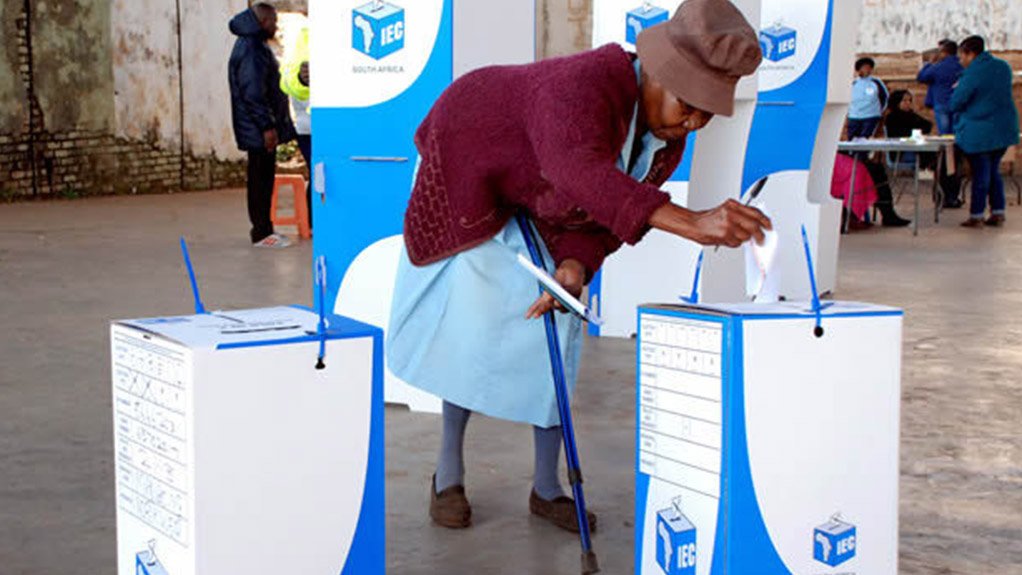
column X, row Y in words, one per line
column 150, row 429
column 681, row 403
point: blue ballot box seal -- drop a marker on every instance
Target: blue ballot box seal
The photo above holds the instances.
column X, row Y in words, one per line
column 675, row 541
column 643, row 17
column 834, row 542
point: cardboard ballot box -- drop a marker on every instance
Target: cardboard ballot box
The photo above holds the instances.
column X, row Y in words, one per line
column 234, row 454
column 763, row 449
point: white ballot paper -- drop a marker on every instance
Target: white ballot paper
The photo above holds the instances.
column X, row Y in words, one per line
column 550, row 285
column 762, row 281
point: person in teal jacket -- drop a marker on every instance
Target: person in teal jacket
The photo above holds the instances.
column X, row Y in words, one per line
column 986, row 124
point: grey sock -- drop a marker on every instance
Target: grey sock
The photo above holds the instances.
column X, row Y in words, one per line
column 450, row 466
column 548, row 456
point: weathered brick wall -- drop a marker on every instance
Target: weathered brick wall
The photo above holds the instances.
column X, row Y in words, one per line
column 67, row 145
column 73, row 164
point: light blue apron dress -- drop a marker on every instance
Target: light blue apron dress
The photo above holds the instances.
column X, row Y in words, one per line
column 458, row 328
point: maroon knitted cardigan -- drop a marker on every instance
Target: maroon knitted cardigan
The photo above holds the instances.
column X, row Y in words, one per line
column 544, row 137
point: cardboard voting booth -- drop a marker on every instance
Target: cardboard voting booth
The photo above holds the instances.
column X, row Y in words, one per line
column 763, row 448
column 388, row 63
column 788, row 118
column 234, row 454
column 709, row 174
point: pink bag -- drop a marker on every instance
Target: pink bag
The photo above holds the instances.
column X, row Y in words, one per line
column 865, row 191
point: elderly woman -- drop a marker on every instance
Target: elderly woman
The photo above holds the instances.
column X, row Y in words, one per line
column 580, row 145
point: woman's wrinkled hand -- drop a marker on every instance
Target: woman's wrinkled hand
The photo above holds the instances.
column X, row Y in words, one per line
column 730, row 224
column 571, row 274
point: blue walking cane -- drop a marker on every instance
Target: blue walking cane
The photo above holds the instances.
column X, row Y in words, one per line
column 589, row 563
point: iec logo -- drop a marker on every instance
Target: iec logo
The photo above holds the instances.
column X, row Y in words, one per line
column 146, row 562
column 378, row 29
column 777, row 42
column 675, row 541
column 641, row 18
column 834, row 542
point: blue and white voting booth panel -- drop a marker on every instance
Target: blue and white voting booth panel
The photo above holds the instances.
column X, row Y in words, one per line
column 234, row 454
column 662, row 267
column 388, row 63
column 808, row 48
column 787, row 131
column 762, row 448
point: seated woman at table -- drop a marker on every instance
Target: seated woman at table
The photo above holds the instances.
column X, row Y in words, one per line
column 901, row 120
column 902, row 117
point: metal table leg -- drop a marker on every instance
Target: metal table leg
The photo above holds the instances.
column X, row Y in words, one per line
column 938, row 188
column 915, row 222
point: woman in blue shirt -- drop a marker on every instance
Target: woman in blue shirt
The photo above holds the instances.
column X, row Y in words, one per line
column 869, row 99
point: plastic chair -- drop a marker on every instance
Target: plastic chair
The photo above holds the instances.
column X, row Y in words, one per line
column 300, row 217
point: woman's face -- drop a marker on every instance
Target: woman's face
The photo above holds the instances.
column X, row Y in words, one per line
column 667, row 117
column 906, row 103
column 965, row 58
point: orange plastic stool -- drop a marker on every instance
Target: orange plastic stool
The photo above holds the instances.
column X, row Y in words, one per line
column 300, row 219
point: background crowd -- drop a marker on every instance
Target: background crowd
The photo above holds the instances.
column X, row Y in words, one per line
column 969, row 92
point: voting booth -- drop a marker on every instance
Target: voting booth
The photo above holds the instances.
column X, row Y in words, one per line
column 787, row 121
column 767, row 439
column 235, row 454
column 804, row 91
column 388, row 63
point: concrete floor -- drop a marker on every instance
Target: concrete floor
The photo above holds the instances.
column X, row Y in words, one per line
column 67, row 268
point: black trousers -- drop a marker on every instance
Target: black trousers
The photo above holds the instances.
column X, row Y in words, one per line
column 262, row 169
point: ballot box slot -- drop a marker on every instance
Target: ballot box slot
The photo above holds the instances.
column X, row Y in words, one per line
column 260, row 329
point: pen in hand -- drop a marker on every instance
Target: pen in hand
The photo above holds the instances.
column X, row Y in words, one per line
column 753, row 194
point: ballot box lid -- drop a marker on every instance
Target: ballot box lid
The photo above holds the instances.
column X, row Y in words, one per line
column 250, row 327
column 778, row 310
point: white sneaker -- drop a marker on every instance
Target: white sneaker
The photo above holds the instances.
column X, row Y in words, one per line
column 274, row 242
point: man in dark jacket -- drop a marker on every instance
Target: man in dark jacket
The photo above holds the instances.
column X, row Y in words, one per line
column 941, row 75
column 260, row 113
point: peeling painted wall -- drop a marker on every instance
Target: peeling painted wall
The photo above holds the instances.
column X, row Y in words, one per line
column 73, row 71
column 145, row 71
column 13, row 112
column 207, row 45
column 564, row 27
column 896, row 25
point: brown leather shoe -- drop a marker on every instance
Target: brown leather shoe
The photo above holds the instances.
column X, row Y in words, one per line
column 973, row 223
column 560, row 512
column 450, row 507
column 995, row 221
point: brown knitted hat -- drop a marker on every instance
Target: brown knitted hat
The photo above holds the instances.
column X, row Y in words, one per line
column 700, row 53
